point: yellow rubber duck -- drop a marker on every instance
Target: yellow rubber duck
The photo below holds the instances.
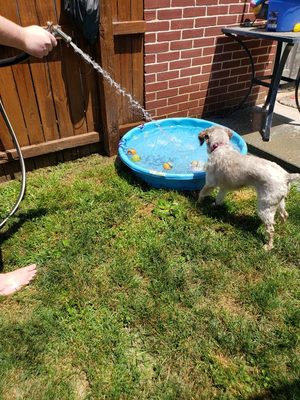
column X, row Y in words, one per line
column 131, row 152
column 296, row 27
column 167, row 165
column 136, row 158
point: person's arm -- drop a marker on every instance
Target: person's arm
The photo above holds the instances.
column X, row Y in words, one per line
column 33, row 39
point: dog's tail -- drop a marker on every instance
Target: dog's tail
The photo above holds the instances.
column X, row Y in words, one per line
column 294, row 177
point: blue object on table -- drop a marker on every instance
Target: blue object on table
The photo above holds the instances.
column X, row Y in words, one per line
column 283, row 15
column 167, row 153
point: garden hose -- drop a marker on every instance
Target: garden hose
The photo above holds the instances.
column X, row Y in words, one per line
column 4, row 63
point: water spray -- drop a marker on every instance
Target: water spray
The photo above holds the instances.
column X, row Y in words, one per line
column 57, row 32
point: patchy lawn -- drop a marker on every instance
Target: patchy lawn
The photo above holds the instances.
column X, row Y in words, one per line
column 142, row 294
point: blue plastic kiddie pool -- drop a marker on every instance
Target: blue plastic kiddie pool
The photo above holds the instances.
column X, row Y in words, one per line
column 167, row 153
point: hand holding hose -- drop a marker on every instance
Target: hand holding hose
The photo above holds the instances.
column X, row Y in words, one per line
column 37, row 41
column 33, row 39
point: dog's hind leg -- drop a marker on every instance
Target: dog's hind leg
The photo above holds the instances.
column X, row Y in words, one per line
column 270, row 232
column 282, row 211
column 206, row 190
column 267, row 214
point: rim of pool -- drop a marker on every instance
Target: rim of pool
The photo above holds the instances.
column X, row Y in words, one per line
column 166, row 153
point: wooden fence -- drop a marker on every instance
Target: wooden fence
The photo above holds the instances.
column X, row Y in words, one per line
column 60, row 102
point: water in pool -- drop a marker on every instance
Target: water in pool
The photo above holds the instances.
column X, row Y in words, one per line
column 167, row 149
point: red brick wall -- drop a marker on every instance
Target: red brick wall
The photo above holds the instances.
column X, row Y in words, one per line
column 191, row 68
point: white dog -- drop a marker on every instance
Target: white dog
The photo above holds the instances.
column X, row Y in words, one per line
column 228, row 169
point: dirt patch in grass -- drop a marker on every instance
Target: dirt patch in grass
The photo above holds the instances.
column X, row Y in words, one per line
column 230, row 304
column 146, row 211
column 13, row 311
column 81, row 385
column 224, row 360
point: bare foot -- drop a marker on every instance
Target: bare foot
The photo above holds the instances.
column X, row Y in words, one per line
column 11, row 282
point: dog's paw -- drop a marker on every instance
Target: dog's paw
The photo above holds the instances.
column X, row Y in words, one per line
column 268, row 246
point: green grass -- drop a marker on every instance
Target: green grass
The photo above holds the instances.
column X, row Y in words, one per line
column 141, row 294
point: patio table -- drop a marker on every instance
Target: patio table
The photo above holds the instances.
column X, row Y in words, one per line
column 285, row 42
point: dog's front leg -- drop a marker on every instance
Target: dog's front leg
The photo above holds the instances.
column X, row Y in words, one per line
column 206, row 190
column 220, row 196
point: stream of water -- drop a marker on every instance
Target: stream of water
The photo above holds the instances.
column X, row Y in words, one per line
column 134, row 104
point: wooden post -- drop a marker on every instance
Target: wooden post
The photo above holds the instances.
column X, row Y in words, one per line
column 109, row 109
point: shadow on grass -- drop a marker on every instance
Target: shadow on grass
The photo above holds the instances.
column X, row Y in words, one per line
column 126, row 173
column 21, row 219
column 222, row 213
column 286, row 391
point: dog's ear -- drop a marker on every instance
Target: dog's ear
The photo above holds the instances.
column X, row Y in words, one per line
column 202, row 136
column 229, row 133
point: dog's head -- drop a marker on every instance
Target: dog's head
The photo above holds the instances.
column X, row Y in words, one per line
column 215, row 136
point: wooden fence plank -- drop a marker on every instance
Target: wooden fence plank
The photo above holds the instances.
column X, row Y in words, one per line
column 8, row 91
column 60, row 93
column 71, row 75
column 45, row 101
column 24, row 84
column 55, row 145
column 137, row 12
column 6, row 142
column 85, row 96
column 23, row 81
column 117, row 65
column 129, row 27
column 11, row 102
column 128, row 21
column 89, row 81
column 125, row 60
column 107, row 94
column 46, row 11
column 27, row 12
column 40, row 76
column 9, row 10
